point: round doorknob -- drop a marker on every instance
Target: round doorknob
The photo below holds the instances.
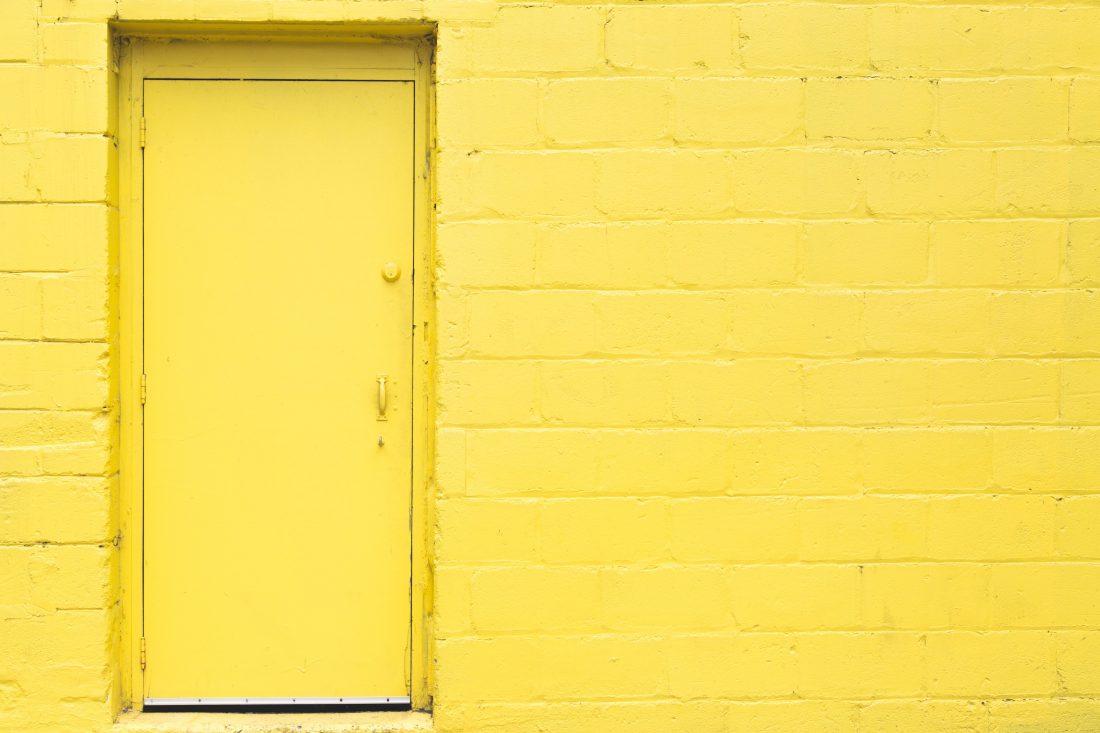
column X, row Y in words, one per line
column 391, row 271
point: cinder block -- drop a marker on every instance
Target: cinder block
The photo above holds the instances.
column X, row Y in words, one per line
column 488, row 112
column 869, row 109
column 875, row 665
column 584, row 112
column 868, row 392
column 68, row 376
column 1084, row 110
column 1028, row 110
column 796, row 182
column 18, row 30
column 738, row 111
column 728, row 254
column 550, row 38
column 927, row 322
column 575, row 531
column 672, row 38
column 855, row 253
column 1012, row 663
column 991, row 527
column 636, row 184
column 656, row 600
column 929, row 182
column 796, row 598
column 803, row 37
column 735, row 529
column 485, row 531
column 997, row 253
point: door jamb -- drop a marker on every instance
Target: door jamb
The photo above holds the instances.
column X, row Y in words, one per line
column 302, row 54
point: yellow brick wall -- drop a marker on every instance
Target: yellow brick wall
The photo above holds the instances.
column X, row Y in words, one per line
column 768, row 363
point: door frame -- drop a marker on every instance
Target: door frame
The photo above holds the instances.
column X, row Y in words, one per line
column 290, row 53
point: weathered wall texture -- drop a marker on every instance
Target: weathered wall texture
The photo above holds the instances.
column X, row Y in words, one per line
column 769, row 363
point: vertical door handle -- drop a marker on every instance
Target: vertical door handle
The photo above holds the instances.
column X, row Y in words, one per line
column 382, row 397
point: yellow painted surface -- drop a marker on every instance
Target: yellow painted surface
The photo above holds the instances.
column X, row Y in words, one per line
column 764, row 351
column 276, row 503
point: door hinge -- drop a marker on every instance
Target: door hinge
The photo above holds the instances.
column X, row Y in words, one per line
column 144, row 388
column 141, row 133
column 142, row 656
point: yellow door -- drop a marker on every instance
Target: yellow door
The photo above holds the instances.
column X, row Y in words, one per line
column 277, row 464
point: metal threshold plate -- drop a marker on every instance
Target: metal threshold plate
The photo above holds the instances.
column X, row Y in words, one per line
column 217, row 701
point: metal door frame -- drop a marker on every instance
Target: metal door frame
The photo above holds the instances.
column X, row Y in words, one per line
column 296, row 52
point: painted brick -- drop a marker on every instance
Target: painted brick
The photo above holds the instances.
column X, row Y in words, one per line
column 997, row 253
column 624, row 256
column 868, row 392
column 1084, row 110
column 730, row 530
column 18, row 31
column 486, row 254
column 55, row 98
column 740, row 392
column 487, row 393
column 925, row 596
column 473, row 531
column 20, row 307
column 908, row 716
column 993, row 392
column 1048, row 181
column 1026, row 110
column 875, row 665
column 462, row 121
column 1082, row 265
column 1041, row 595
column 732, row 666
column 927, row 322
column 1047, row 460
column 1000, row 527
column 1029, row 322
column 738, row 111
column 865, row 253
column 862, row 529
column 558, row 667
column 1075, row 521
column 58, row 509
column 1080, row 398
column 789, row 181
column 79, row 44
column 663, row 598
column 500, row 599
column 481, row 184
column 717, row 254
column 55, row 238
column 704, row 183
column 574, row 531
column 927, row 460
column 672, row 38
column 869, row 109
column 1076, row 653
column 56, row 169
column 599, row 111
column 628, row 393
column 929, row 181
column 804, row 598
column 796, row 37
column 1019, row 663
column 54, row 375
column 539, row 39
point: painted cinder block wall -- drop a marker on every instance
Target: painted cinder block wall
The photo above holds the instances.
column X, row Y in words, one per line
column 768, row 387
